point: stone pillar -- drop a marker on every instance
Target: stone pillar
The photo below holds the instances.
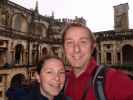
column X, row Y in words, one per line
column 121, row 56
column 114, row 53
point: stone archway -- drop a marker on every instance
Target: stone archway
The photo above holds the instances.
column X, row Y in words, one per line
column 127, row 53
column 16, row 88
column 44, row 51
column 17, row 80
column 55, row 51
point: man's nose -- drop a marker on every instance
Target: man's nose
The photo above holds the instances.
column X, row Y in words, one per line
column 76, row 48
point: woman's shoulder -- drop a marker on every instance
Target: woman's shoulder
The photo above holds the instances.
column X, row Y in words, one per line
column 31, row 95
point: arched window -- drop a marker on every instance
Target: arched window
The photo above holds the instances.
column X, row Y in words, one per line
column 18, row 53
column 127, row 53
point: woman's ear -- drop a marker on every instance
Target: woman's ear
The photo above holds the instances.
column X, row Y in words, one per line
column 37, row 76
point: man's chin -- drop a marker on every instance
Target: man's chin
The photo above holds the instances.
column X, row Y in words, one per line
column 76, row 66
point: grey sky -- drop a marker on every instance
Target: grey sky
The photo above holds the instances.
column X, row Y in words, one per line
column 98, row 13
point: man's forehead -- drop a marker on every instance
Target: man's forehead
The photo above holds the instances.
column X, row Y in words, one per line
column 81, row 38
column 78, row 28
column 77, row 33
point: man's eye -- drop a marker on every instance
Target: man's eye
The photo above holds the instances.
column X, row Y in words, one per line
column 68, row 42
column 84, row 42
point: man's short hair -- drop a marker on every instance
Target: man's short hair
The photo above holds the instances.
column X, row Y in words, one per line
column 78, row 25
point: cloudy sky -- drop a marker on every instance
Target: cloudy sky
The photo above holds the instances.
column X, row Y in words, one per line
column 98, row 13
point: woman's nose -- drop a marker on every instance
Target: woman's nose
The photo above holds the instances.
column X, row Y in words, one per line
column 57, row 77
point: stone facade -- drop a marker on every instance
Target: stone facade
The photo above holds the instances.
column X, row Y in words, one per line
column 25, row 36
column 116, row 46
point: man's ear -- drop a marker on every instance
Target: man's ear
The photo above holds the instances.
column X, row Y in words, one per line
column 37, row 76
column 93, row 47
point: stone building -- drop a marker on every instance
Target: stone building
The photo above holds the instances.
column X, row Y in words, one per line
column 116, row 46
column 25, row 36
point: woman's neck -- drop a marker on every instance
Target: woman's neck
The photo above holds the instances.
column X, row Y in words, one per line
column 50, row 97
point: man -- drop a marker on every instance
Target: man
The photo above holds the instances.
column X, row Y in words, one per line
column 79, row 44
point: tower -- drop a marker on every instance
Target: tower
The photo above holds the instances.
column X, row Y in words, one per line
column 121, row 22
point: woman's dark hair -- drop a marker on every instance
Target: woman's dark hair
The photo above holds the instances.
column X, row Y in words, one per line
column 43, row 60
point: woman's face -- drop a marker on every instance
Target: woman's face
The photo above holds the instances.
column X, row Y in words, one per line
column 51, row 77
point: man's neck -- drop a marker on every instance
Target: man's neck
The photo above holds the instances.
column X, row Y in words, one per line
column 79, row 71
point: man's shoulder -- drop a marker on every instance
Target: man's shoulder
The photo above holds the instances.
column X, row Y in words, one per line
column 112, row 72
column 114, row 81
column 111, row 75
column 117, row 78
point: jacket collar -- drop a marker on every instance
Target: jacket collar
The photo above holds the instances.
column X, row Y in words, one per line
column 91, row 66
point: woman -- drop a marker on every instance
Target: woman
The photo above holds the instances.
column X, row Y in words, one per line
column 51, row 77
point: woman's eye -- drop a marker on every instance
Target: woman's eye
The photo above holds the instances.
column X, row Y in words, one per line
column 63, row 72
column 48, row 72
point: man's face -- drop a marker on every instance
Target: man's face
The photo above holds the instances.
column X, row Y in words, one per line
column 51, row 77
column 78, row 46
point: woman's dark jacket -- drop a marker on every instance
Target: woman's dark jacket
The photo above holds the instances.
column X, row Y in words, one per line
column 35, row 94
